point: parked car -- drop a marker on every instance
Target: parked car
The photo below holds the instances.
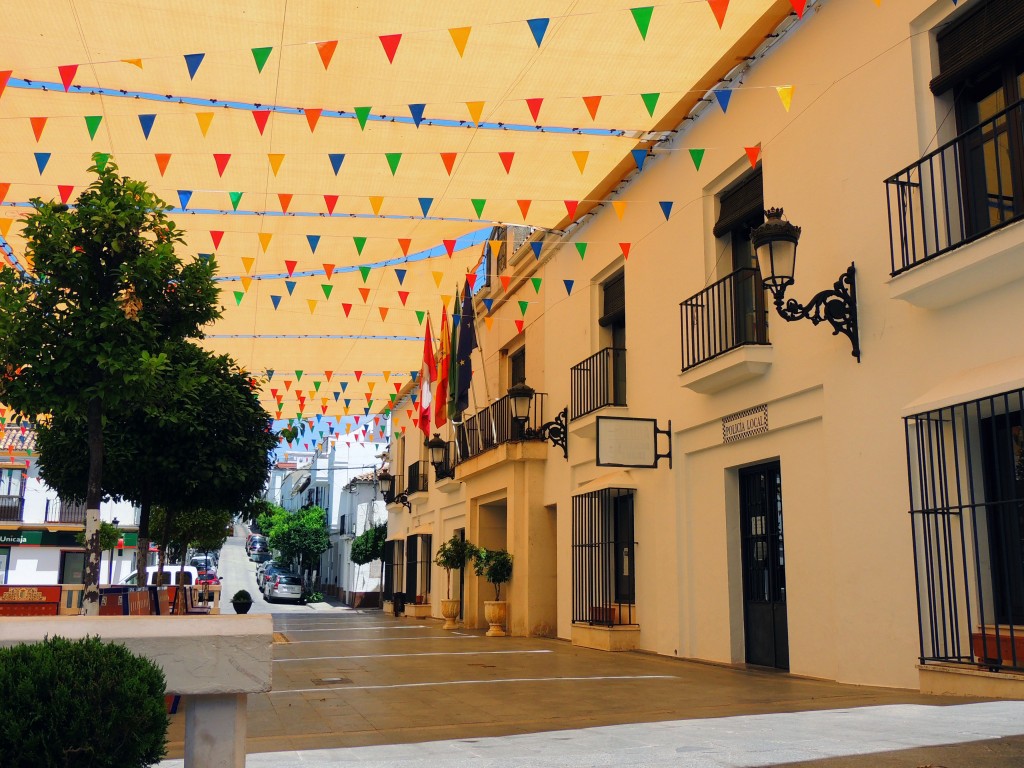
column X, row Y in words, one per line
column 252, row 539
column 189, row 575
column 283, row 586
column 206, row 567
column 257, row 548
column 260, row 556
column 267, row 569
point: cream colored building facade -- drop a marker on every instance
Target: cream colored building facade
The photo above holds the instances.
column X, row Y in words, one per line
column 706, row 568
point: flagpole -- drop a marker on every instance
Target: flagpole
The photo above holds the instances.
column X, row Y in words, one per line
column 483, row 369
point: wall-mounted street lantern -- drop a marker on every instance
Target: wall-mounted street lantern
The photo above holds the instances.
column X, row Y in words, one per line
column 775, row 243
column 387, row 488
column 521, row 396
column 437, row 450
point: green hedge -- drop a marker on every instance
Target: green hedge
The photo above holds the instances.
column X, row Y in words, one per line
column 80, row 704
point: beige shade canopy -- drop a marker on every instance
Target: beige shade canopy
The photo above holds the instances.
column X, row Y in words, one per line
column 296, row 106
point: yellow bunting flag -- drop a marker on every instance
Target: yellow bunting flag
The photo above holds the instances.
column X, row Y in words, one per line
column 476, row 110
column 204, row 118
column 312, row 305
column 495, row 247
column 786, row 94
column 620, row 208
column 460, row 36
column 275, row 162
column 246, row 282
column 438, row 277
column 247, row 262
column 376, row 201
column 446, row 299
column 265, row 238
column 133, row 62
column 581, row 156
column 5, row 226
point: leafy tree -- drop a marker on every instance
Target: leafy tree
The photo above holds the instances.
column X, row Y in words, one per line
column 369, row 545
column 495, row 565
column 81, row 335
column 300, row 537
column 201, row 529
column 109, row 536
column 205, row 443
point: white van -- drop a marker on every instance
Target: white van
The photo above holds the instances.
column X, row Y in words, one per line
column 170, row 575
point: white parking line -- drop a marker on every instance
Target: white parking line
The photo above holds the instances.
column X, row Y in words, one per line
column 402, row 655
column 478, row 682
column 344, row 629
column 381, row 639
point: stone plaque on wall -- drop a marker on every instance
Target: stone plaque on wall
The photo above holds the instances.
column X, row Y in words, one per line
column 739, row 426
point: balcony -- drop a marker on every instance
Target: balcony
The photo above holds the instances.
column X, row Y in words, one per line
column 61, row 511
column 966, row 190
column 11, row 509
column 725, row 333
column 493, row 426
column 598, row 381
column 417, row 477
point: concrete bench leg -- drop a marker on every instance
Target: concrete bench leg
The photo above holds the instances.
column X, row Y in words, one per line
column 215, row 731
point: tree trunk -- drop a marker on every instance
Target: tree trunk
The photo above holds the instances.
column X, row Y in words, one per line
column 143, row 546
column 93, row 495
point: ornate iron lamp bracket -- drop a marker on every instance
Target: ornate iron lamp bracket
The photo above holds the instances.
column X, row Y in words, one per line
column 554, row 431
column 837, row 307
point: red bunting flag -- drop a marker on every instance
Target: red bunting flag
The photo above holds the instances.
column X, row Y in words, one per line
column 346, row 308
column 216, row 236
column 404, row 296
column 799, row 6
column 290, row 266
column 506, row 160
column 327, row 375
column 624, row 247
column 519, row 325
column 67, row 75
column 4, row 77
column 260, row 116
column 65, row 191
column 4, row 189
column 534, row 105
column 222, row 162
column 390, row 43
column 330, row 201
column 449, row 245
column 570, row 207
column 505, row 281
column 753, row 153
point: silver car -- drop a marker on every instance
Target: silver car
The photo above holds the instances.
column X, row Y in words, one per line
column 283, row 586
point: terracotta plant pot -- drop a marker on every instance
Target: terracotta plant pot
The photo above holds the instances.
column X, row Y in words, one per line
column 241, row 607
column 450, row 611
column 496, row 614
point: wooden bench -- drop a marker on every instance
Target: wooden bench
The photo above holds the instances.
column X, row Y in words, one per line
column 29, row 601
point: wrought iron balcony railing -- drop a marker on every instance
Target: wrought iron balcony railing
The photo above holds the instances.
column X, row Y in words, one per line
column 728, row 314
column 63, row 511
column 960, row 192
column 417, row 477
column 598, row 381
column 494, row 426
column 11, row 509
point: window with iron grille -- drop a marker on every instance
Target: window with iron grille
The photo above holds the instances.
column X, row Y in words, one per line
column 603, row 558
column 966, row 477
column 517, row 367
column 613, row 318
column 417, row 571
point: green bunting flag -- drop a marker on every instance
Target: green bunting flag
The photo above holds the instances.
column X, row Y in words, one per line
column 327, row 287
column 365, row 272
column 92, row 122
column 697, row 155
column 419, row 316
column 582, row 248
column 642, row 17
column 478, row 206
column 393, row 160
column 361, row 114
column 101, row 160
column 650, row 101
column 522, row 307
column 238, row 297
column 260, row 56
column 236, row 198
column 360, row 242
column 536, row 283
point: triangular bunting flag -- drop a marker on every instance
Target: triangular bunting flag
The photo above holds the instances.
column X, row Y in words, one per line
column 326, row 288
column 394, row 158
column 425, row 203
column 786, row 95
column 506, row 160
column 329, row 270
column 365, row 272
column 624, row 247
column 568, row 286
column 290, row 266
column 346, row 308
column 697, row 156
column 592, row 103
column 534, row 106
column 753, row 153
column 247, row 263
column 92, row 122
column 488, row 303
column 275, row 160
column 376, row 201
column 162, row 159
column 290, row 285
column 536, row 245
column 581, row 156
column 536, row 281
column 478, row 206
column 799, row 6
column 650, row 101
column 639, row 157
column 438, row 276
column 365, row 293
column 537, row 28
column 260, row 56
column 204, row 119
column 192, row 61
column 336, row 160
column 449, row 246
column 642, row 17
column 448, row 158
column 390, row 44
column 146, row 122
column 184, row 195
column 570, row 207
column 524, row 206
column 275, row 300
column 314, row 241
column 383, row 312
column 403, row 296
column 404, row 243
column 362, row 114
column 238, row 297
column 67, row 75
column 520, row 324
column 235, row 198
column 719, row 7
column 65, row 190
column 723, row 95
column 360, row 243
column 285, row 199
column 38, row 124
column 246, row 282
column 506, row 280
column 312, row 305
column 326, row 51
column 419, row 319
column 312, row 118
column 666, row 208
column 460, row 36
column 620, row 208
column 222, row 162
column 265, row 238
column 330, row 201
column 476, row 110
column 400, row 274
column 416, row 110
column 581, row 248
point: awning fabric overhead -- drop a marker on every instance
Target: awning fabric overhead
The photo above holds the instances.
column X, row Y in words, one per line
column 285, row 133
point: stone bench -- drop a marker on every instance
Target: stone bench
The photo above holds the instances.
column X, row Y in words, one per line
column 213, row 660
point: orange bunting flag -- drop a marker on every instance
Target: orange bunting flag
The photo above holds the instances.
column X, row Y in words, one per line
column 327, row 375
column 719, row 7
column 5, row 228
column 38, row 124
column 4, row 189
column 476, row 110
column 275, row 162
column 329, row 271
column 404, row 243
column 161, row 162
column 4, row 77
column 246, row 282
column 312, row 118
column 505, row 281
column 524, row 206
column 133, row 62
column 581, row 156
column 592, row 102
column 204, row 119
column 506, row 160
column 383, row 312
column 285, row 199
column 390, row 44
column 365, row 293
column 488, row 321
column 448, row 158
column 753, row 153
column 460, row 36
column 326, row 51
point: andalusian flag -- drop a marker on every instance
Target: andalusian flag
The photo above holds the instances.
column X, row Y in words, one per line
column 427, row 376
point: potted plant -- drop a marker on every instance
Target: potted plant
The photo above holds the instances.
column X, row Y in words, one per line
column 452, row 555
column 242, row 601
column 495, row 565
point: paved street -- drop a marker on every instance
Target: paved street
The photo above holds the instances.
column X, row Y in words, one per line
column 238, row 572
column 358, row 686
